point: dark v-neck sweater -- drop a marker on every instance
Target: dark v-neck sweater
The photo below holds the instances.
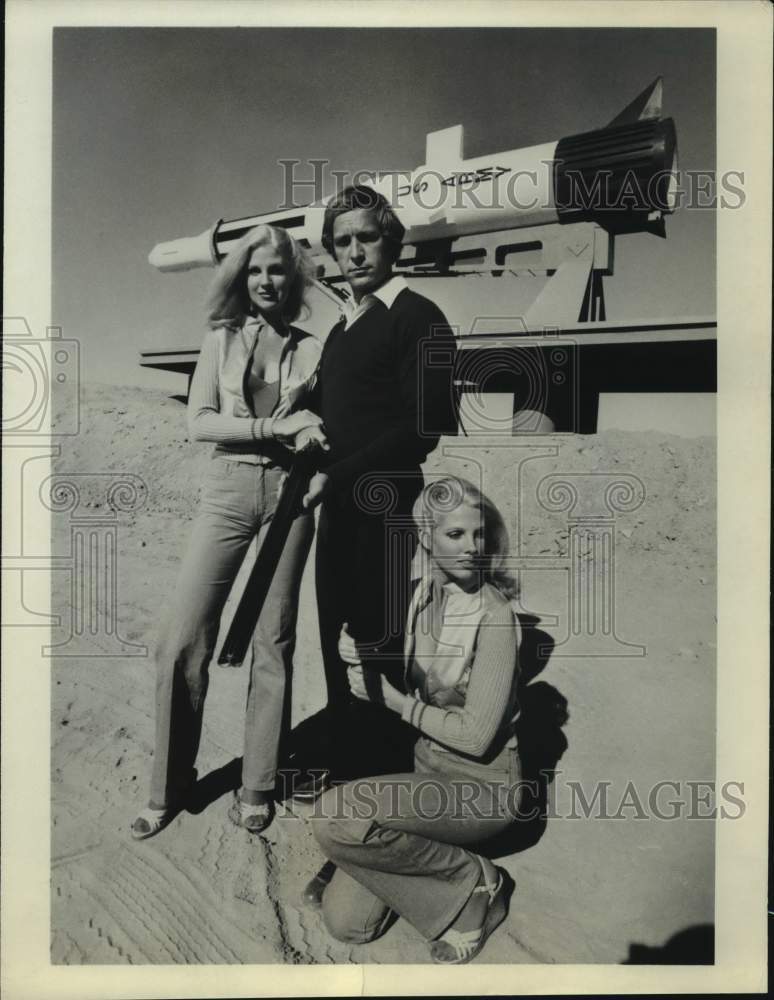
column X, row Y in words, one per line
column 385, row 389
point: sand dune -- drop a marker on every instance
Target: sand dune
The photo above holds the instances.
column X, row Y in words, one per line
column 206, row 892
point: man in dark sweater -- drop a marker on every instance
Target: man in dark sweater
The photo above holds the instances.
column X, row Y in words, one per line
column 385, row 392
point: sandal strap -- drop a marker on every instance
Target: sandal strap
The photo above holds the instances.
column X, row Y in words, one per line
column 491, row 887
column 254, row 808
column 152, row 815
column 466, row 944
column 154, row 819
column 463, row 943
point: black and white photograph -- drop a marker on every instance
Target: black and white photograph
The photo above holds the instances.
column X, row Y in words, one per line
column 385, row 436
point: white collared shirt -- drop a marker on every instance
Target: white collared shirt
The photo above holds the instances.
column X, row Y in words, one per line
column 386, row 293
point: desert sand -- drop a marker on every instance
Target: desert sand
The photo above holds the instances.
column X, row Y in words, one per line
column 588, row 890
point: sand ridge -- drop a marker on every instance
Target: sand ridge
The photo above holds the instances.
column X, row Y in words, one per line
column 205, row 891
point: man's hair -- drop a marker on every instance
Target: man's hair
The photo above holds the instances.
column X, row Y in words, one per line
column 359, row 196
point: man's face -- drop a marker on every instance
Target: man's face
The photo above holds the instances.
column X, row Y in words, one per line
column 361, row 251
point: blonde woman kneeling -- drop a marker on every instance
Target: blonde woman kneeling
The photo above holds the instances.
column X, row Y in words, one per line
column 404, row 843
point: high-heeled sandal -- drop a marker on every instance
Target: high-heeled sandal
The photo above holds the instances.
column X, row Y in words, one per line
column 459, row 947
column 253, row 817
column 149, row 821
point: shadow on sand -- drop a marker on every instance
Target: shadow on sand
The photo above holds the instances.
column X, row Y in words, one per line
column 692, row 946
column 541, row 742
column 365, row 741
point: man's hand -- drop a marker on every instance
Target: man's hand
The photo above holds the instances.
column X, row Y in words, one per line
column 309, row 439
column 347, row 648
column 357, row 682
column 383, row 691
column 319, row 485
column 373, row 691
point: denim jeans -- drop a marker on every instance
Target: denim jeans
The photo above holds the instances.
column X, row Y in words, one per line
column 238, row 501
column 400, row 842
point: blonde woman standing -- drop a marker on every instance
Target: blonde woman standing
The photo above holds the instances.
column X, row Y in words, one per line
column 245, row 397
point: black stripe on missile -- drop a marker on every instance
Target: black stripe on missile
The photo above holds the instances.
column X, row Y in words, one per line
column 615, row 176
column 292, row 222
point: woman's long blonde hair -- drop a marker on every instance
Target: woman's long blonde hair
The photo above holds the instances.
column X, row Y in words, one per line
column 446, row 494
column 228, row 303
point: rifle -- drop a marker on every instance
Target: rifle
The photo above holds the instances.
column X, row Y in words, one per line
column 240, row 633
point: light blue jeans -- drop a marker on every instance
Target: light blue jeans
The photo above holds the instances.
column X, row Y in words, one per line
column 238, row 501
column 402, row 842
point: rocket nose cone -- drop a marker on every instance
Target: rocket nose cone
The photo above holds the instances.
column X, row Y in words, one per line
column 182, row 254
column 157, row 256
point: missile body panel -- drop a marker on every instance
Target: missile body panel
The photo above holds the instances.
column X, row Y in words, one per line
column 503, row 191
column 620, row 177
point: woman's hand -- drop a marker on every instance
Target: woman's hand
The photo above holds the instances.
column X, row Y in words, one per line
column 284, row 429
column 309, row 439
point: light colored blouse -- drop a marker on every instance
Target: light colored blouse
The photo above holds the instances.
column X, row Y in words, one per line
column 220, row 409
column 470, row 695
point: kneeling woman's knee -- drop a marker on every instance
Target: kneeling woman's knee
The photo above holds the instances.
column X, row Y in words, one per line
column 338, row 924
column 351, row 913
column 341, row 926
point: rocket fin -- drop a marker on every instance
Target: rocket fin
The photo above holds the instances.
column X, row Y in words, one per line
column 445, row 146
column 646, row 105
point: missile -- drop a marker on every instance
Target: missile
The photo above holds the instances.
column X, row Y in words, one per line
column 621, row 177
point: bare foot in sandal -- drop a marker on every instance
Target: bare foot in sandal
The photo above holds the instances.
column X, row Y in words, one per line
column 485, row 910
column 252, row 810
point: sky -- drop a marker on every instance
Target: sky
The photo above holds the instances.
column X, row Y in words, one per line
column 158, row 133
